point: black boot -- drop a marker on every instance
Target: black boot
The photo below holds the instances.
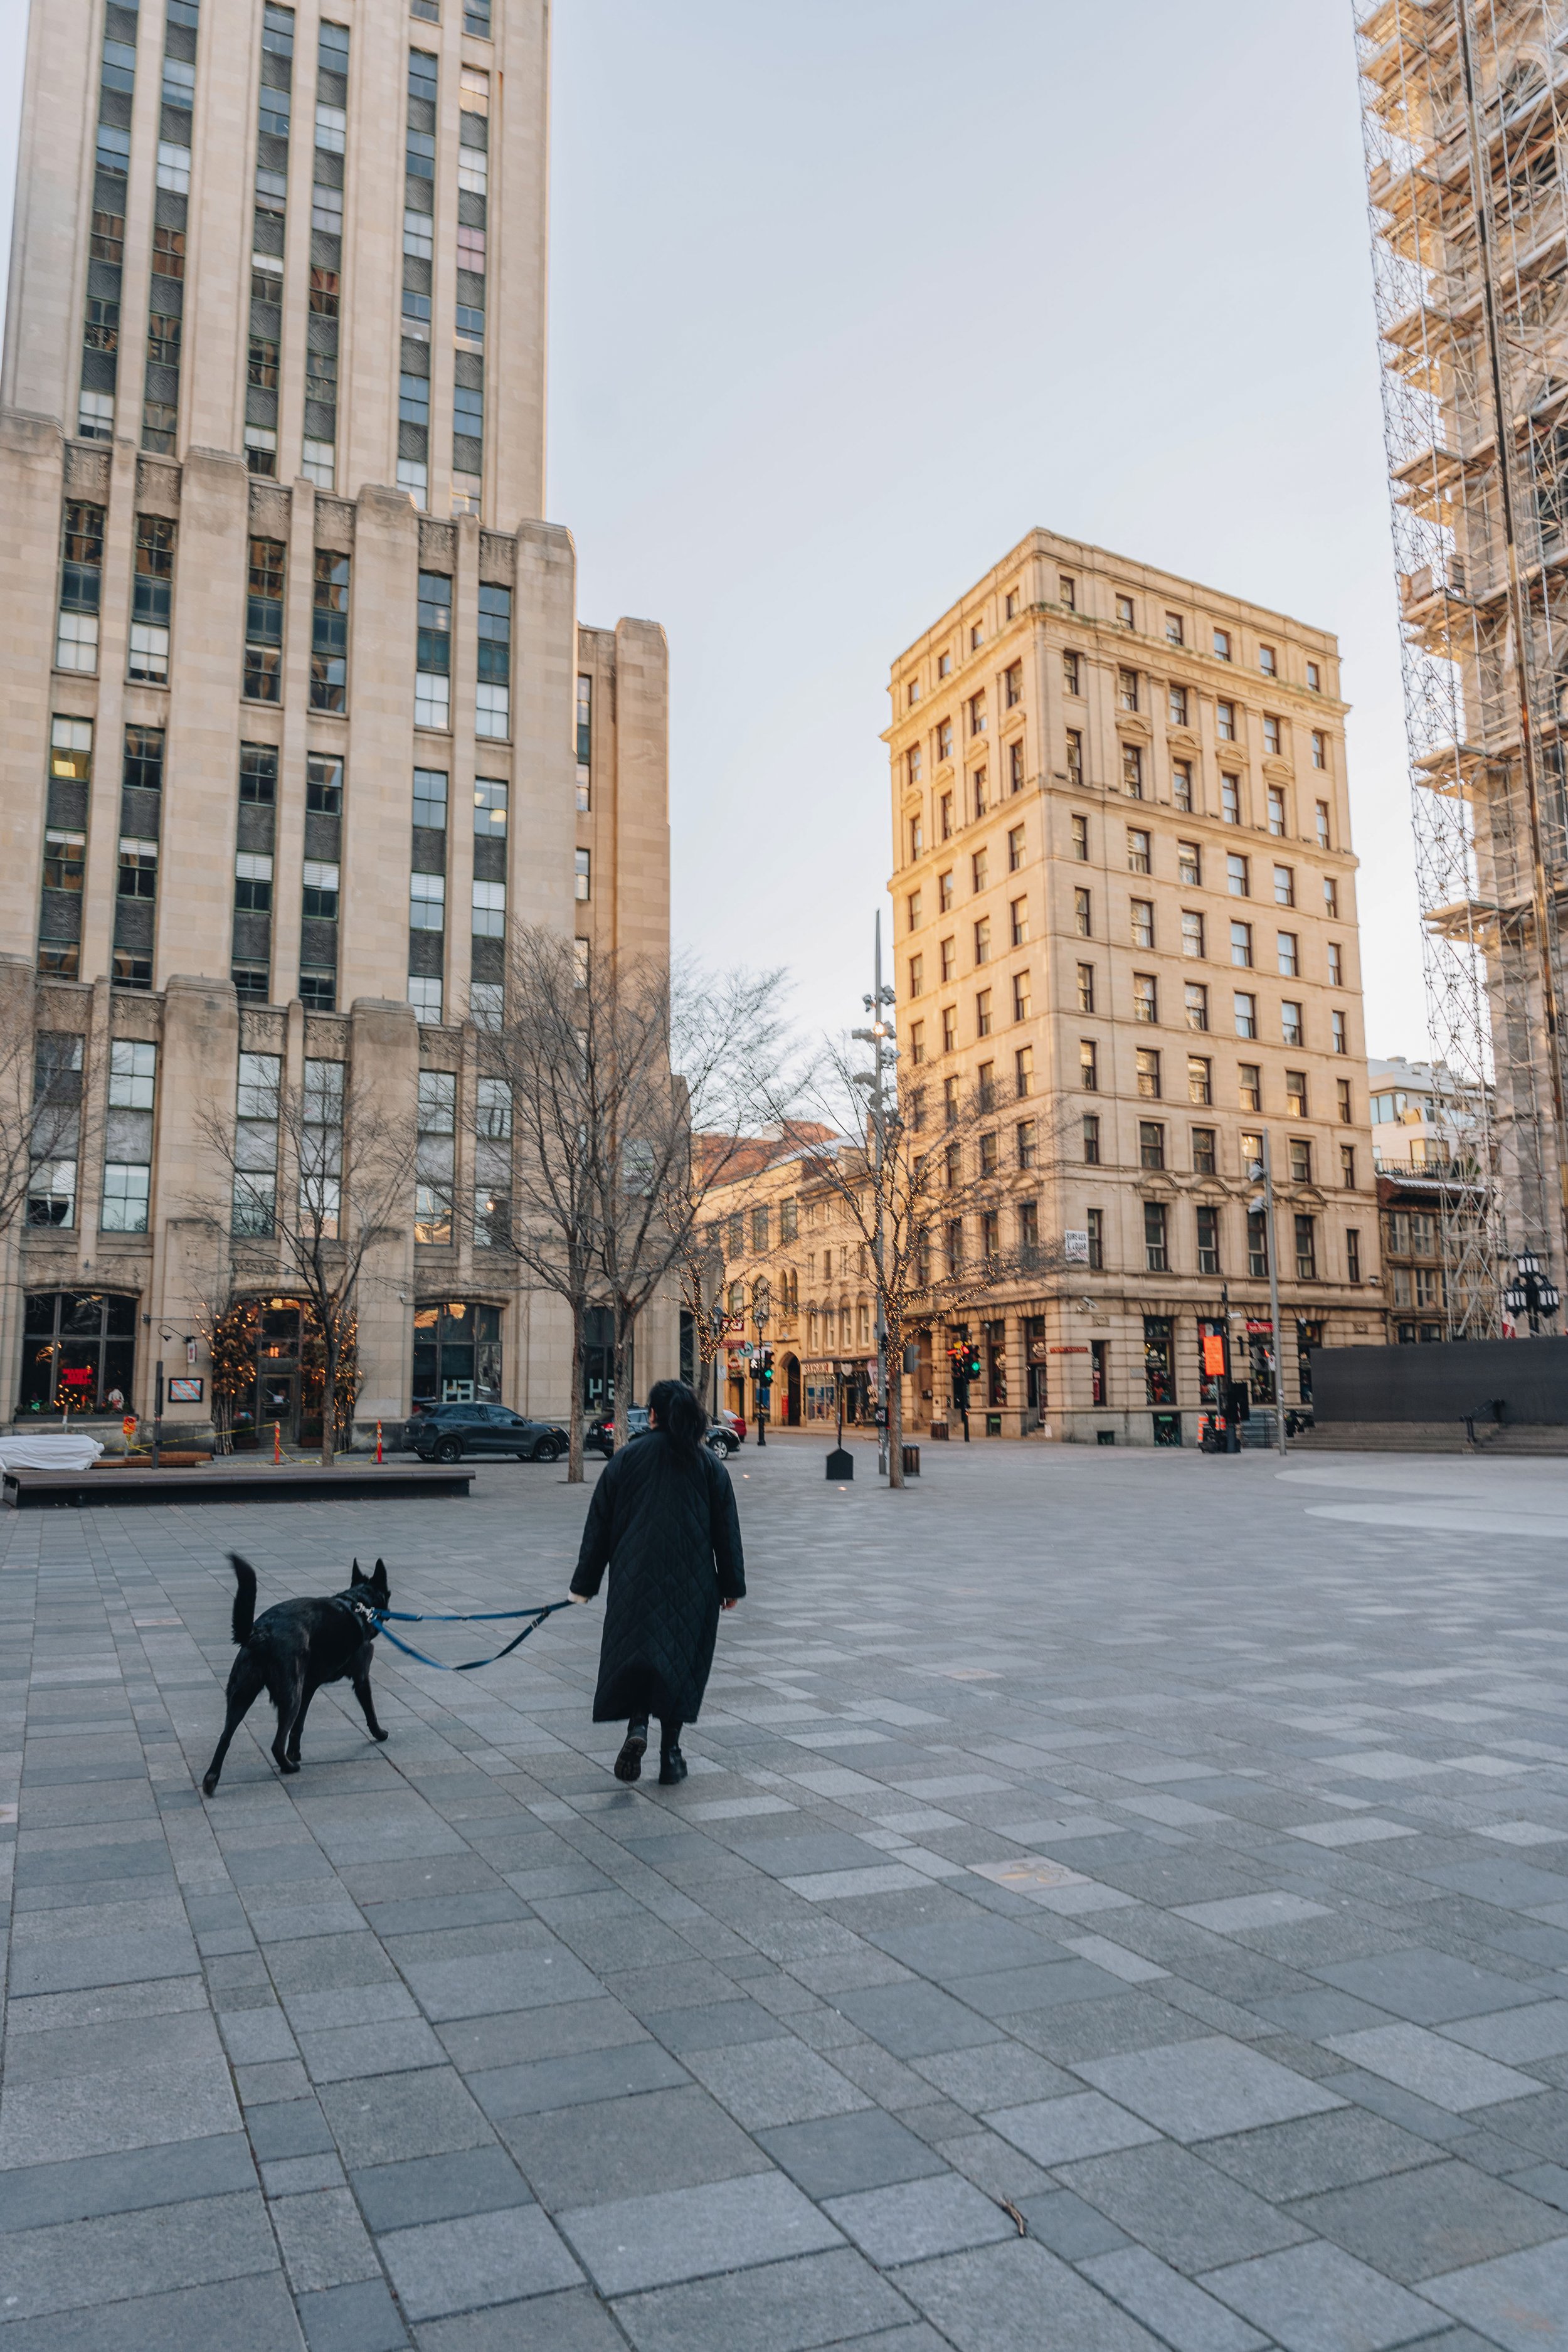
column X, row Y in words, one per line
column 628, row 1763
column 672, row 1762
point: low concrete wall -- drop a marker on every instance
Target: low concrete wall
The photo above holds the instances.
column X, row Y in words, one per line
column 1443, row 1382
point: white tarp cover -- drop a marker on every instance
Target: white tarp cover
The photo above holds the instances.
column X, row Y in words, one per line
column 41, row 1449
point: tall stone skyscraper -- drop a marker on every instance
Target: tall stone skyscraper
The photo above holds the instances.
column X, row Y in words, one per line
column 300, row 716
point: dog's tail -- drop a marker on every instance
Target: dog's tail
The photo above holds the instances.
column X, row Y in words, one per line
column 244, row 1598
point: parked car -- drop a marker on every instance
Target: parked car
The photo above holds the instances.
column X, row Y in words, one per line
column 445, row 1433
column 724, row 1436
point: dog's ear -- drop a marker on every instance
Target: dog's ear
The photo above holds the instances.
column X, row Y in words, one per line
column 378, row 1575
column 356, row 1578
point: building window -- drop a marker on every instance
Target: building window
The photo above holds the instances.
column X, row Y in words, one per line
column 1320, row 748
column 1176, row 705
column 1192, row 934
column 1082, row 914
column 1346, row 1114
column 976, row 708
column 1156, row 1255
column 1081, row 839
column 252, row 882
column 1072, row 674
column 1238, row 880
column 433, row 658
column 949, row 953
column 320, row 891
column 1290, row 1028
column 81, row 584
column 1147, row 1064
column 917, row 975
column 1230, row 800
column 137, row 867
column 56, row 1137
column 1208, row 1240
column 1225, row 722
column 1024, row 1071
column 1323, row 842
column 492, row 710
column 1331, row 897
column 1132, row 771
column 983, row 940
column 1145, row 997
column 1352, row 1255
column 1249, row 1088
column 1020, row 996
column 1337, row 1031
column 1241, row 946
column 1089, row 1065
column 1301, row 1160
column 430, row 802
column 1336, row 969
column 1127, row 690
column 437, row 1115
column 264, row 622
column 1018, row 916
column 1086, row 988
column 1075, row 758
column 1258, row 1245
column 1204, row 1161
column 1092, row 1140
column 489, row 910
column 1200, row 1080
column 152, row 587
column 127, row 1144
column 983, row 1014
column 1094, row 1219
column 1306, row 1249
column 1025, row 1138
column 1015, row 765
column 1271, row 744
column 330, row 633
column 1288, row 954
column 949, row 1029
column 1174, row 634
column 1137, row 851
column 78, row 1352
column 1246, row 1007
column 1198, row 1004
column 427, row 902
column 1181, row 784
column 1012, row 684
column 1277, row 825
column 1222, row 645
column 1142, row 911
column 1296, row 1094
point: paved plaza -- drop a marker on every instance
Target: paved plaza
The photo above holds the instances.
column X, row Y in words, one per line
column 1120, row 1900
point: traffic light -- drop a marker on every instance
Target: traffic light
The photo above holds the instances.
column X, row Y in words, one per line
column 971, row 1362
column 766, row 1372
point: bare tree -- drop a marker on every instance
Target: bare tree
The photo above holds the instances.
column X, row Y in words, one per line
column 540, row 1053
column 41, row 1143
column 340, row 1173
column 911, row 1192
column 700, row 1267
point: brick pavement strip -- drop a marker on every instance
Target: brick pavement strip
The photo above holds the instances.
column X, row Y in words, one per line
column 1170, row 1853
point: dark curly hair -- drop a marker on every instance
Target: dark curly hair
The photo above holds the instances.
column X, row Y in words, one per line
column 679, row 1413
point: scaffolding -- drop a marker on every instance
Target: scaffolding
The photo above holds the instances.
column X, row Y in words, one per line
column 1464, row 110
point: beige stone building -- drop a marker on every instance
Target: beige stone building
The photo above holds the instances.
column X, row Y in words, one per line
column 298, row 713
column 1124, row 912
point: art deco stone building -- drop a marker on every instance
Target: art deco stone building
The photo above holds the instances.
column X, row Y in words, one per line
column 298, row 713
column 1124, row 906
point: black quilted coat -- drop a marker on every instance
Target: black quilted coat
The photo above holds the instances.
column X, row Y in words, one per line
column 663, row 1520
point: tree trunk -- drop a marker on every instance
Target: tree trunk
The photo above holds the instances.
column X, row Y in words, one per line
column 894, row 1400
column 574, row 1411
column 626, row 1331
column 329, row 1399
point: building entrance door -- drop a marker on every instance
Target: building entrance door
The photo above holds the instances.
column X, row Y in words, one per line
column 792, row 1391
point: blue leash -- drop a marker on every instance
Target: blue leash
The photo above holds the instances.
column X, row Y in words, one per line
column 474, row 1617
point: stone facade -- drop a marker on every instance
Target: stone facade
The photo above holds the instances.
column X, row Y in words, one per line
column 299, row 713
column 1123, row 881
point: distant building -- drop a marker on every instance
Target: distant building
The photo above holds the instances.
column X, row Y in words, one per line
column 1430, row 1199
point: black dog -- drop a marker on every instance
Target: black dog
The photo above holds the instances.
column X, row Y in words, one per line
column 291, row 1650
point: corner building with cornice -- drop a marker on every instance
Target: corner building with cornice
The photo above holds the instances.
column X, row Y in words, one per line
column 300, row 715
column 1125, row 916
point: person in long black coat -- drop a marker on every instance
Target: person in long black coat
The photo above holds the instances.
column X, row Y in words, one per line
column 663, row 1520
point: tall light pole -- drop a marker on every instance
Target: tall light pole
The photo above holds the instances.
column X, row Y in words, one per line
column 879, row 1036
column 762, row 1311
column 1264, row 1168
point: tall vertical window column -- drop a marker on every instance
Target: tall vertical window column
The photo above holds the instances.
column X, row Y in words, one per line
column 165, row 301
column 65, row 847
column 254, row 833
column 55, row 1143
column 433, row 653
column 100, row 326
column 140, row 827
column 436, row 1169
column 493, row 703
column 428, row 895
column 322, row 886
column 256, row 1143
column 264, row 622
column 584, row 743
column 487, row 966
column 326, row 256
column 274, row 113
column 418, row 264
column 128, row 1141
column 330, row 633
column 81, row 588
column 469, row 370
column 152, row 587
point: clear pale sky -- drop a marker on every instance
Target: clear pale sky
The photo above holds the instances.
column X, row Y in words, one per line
column 849, row 294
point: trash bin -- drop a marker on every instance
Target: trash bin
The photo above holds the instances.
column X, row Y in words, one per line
column 937, row 1431
column 912, row 1460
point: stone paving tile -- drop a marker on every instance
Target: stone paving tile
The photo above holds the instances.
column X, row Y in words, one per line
column 1218, row 1921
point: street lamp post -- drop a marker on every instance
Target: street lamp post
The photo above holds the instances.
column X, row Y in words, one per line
column 1530, row 1294
column 762, row 1309
column 1264, row 1168
column 879, row 1036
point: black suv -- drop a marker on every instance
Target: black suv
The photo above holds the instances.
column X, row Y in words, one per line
column 446, row 1431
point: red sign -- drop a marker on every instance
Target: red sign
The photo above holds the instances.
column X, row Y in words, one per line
column 1266, row 1329
column 1070, row 1351
column 1213, row 1356
column 75, row 1380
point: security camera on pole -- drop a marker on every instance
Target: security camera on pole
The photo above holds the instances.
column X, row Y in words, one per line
column 879, row 1037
